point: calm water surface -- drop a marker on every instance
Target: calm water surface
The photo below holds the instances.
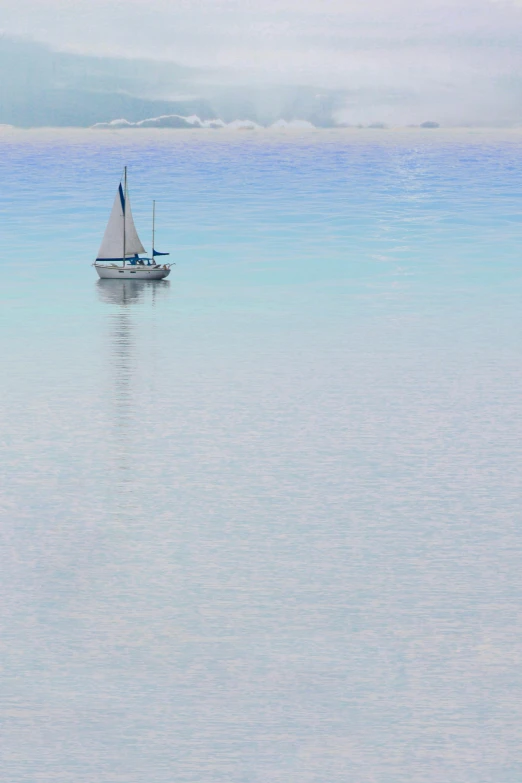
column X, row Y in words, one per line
column 260, row 522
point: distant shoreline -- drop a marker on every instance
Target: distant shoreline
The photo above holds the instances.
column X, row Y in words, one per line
column 222, row 133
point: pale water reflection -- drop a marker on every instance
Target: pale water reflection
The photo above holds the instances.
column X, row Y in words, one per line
column 128, row 292
column 127, row 334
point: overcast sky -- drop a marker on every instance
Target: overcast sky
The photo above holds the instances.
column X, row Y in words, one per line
column 467, row 47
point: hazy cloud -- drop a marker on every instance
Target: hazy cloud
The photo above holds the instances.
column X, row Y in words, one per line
column 462, row 57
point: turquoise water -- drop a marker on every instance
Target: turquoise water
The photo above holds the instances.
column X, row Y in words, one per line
column 261, row 521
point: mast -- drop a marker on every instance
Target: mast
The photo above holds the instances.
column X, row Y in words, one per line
column 124, row 210
column 153, row 221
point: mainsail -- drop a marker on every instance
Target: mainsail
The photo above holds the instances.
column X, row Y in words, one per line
column 120, row 221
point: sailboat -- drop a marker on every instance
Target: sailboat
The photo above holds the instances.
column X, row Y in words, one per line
column 119, row 253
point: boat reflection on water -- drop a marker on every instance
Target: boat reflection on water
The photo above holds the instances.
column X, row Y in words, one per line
column 130, row 348
column 127, row 292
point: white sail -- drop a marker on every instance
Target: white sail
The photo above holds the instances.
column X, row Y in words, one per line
column 132, row 241
column 111, row 248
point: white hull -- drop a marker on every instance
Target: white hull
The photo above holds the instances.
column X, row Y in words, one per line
column 134, row 272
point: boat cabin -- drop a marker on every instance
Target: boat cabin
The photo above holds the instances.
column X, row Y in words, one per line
column 137, row 261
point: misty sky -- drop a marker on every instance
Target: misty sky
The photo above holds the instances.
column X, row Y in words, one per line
column 463, row 53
